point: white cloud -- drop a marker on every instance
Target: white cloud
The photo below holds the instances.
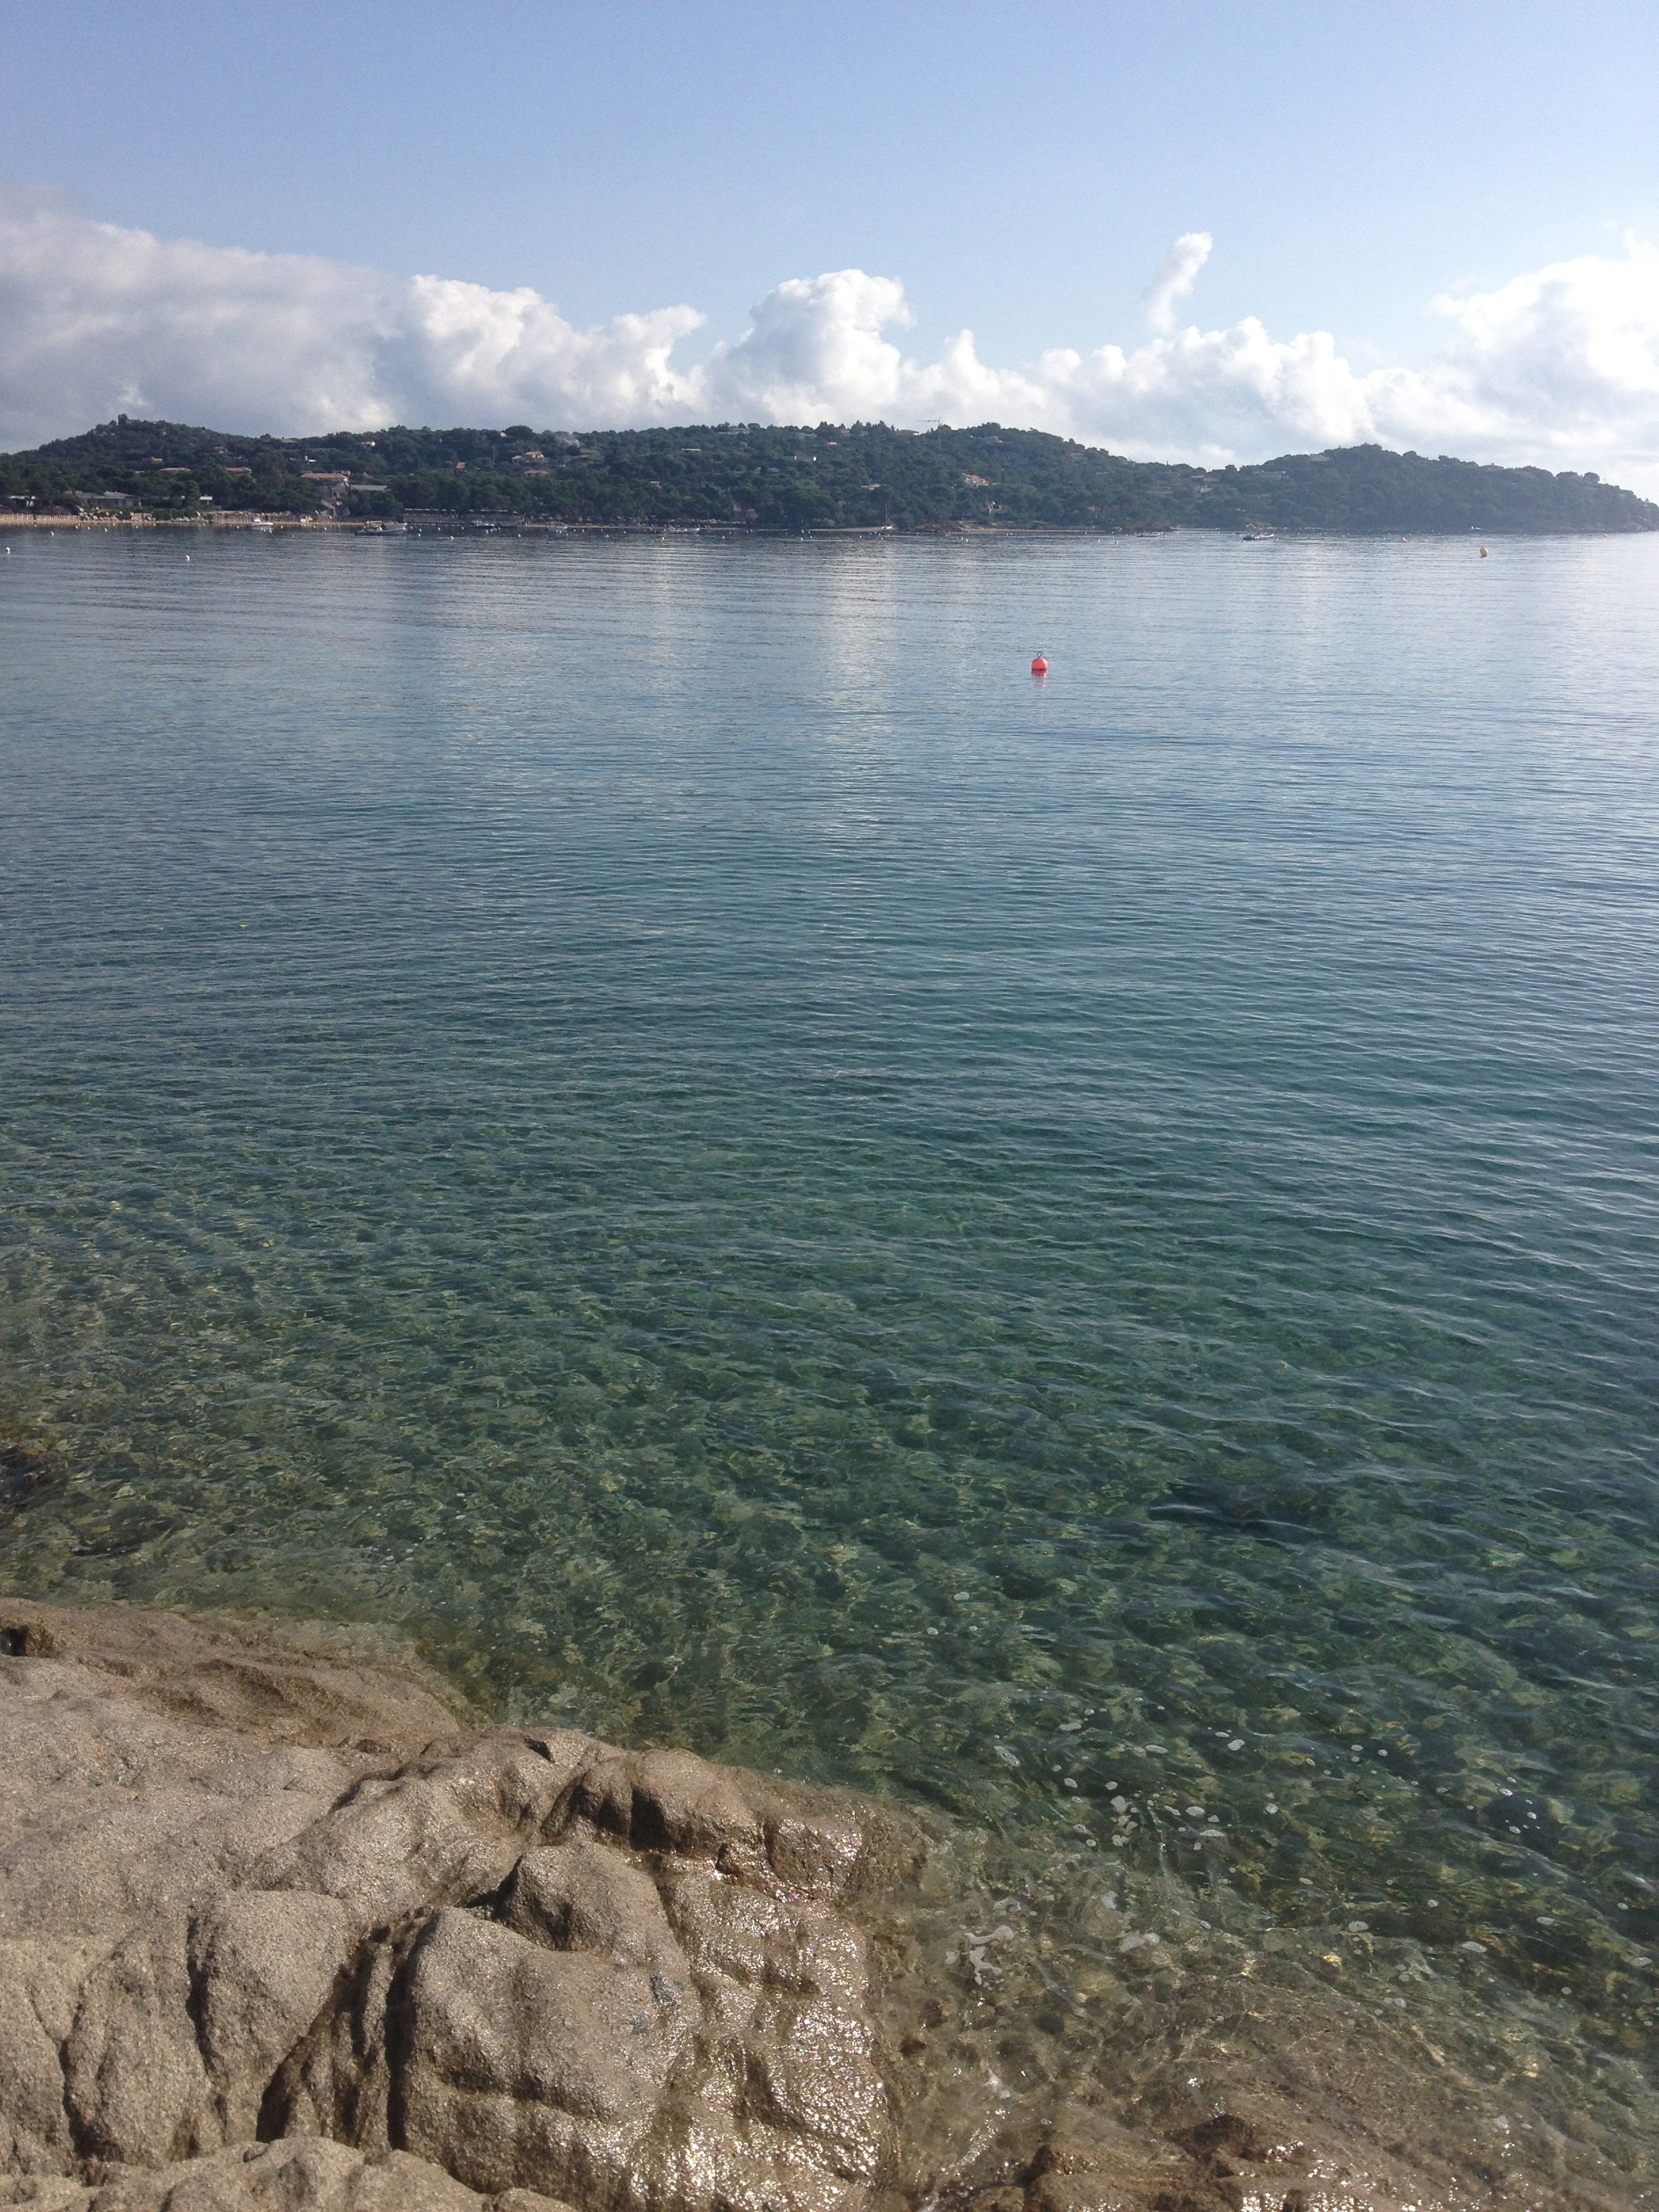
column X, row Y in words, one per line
column 1175, row 278
column 1560, row 367
column 815, row 353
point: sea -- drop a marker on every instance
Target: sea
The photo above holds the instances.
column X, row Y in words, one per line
column 656, row 1117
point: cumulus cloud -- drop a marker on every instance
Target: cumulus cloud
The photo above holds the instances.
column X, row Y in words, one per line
column 95, row 319
column 1176, row 277
column 1558, row 367
column 814, row 353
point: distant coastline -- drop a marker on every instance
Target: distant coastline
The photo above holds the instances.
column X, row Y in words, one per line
column 867, row 477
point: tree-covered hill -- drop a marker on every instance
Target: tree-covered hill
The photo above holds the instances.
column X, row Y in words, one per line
column 837, row 474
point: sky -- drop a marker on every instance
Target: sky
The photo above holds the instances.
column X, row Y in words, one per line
column 1437, row 225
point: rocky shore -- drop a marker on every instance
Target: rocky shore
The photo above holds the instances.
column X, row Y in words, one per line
column 279, row 1931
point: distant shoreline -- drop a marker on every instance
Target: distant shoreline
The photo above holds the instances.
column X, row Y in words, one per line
column 834, row 478
column 234, row 524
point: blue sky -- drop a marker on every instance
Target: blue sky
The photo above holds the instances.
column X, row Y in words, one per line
column 1021, row 172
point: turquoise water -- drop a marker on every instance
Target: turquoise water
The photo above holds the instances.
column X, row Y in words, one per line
column 657, row 1115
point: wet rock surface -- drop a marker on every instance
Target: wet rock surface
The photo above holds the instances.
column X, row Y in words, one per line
column 308, row 2174
column 278, row 1933
column 251, row 1899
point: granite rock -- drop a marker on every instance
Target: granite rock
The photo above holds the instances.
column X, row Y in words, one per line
column 304, row 2175
column 274, row 1931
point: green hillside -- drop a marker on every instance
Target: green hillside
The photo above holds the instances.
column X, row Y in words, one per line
column 836, row 475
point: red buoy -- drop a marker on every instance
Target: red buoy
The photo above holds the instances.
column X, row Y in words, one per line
column 1039, row 666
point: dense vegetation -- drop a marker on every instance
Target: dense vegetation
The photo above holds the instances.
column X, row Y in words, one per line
column 836, row 475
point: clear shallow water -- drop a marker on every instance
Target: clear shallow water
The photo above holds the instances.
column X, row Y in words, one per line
column 657, row 1115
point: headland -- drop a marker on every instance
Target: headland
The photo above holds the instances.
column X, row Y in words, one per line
column 743, row 476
